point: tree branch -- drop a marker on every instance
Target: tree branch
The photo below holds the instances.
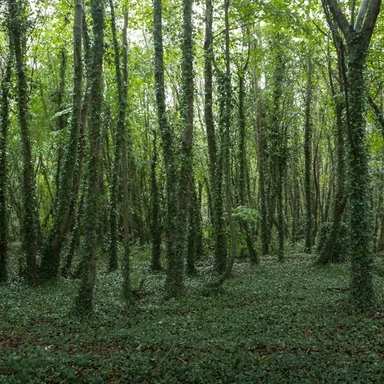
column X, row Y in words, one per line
column 340, row 18
column 370, row 19
column 362, row 12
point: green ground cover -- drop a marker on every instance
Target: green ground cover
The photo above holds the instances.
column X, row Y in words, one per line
column 273, row 323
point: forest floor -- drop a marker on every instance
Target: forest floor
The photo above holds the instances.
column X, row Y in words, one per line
column 272, row 323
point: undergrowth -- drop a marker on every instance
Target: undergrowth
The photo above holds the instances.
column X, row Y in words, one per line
column 272, row 323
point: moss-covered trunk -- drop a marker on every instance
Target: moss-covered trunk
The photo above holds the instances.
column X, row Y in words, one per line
column 174, row 281
column 4, row 125
column 357, row 39
column 359, row 181
column 30, row 220
column 308, row 161
column 84, row 299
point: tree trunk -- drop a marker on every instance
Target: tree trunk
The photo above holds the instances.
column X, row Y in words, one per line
column 174, row 282
column 357, row 42
column 308, row 161
column 50, row 262
column 155, row 212
column 30, row 220
column 242, row 164
column 4, row 125
column 84, row 299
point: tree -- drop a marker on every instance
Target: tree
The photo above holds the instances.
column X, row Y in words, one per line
column 84, row 299
column 174, row 281
column 308, row 160
column 50, row 263
column 357, row 34
column 120, row 156
column 30, row 219
column 4, row 126
column 215, row 161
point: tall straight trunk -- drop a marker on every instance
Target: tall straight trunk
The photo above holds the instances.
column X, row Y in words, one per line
column 308, row 161
column 215, row 163
column 330, row 253
column 30, row 219
column 278, row 150
column 155, row 213
column 118, row 142
column 262, row 161
column 227, row 143
column 120, row 156
column 174, row 282
column 186, row 188
column 84, row 298
column 357, row 39
column 4, row 125
column 242, row 160
column 61, row 120
column 50, row 262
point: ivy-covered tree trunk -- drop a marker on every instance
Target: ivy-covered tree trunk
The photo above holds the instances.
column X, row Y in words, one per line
column 308, row 161
column 215, row 164
column 330, row 252
column 119, row 138
column 30, row 220
column 242, row 165
column 262, row 161
column 4, row 126
column 120, row 156
column 186, row 187
column 61, row 119
column 50, row 262
column 357, row 42
column 174, row 282
column 278, row 145
column 84, row 299
column 155, row 213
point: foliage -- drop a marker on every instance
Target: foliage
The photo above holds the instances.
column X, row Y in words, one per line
column 270, row 323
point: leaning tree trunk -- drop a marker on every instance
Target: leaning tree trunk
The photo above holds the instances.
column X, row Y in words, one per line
column 357, row 42
column 4, row 125
column 84, row 299
column 50, row 262
column 30, row 219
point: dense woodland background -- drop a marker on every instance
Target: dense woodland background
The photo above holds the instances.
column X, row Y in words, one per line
column 208, row 130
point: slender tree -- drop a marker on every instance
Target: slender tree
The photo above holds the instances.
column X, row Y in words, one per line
column 215, row 163
column 242, row 161
column 174, row 281
column 50, row 262
column 155, row 212
column 30, row 220
column 84, row 299
column 308, row 159
column 4, row 125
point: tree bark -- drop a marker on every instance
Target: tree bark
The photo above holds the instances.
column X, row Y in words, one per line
column 357, row 42
column 84, row 298
column 30, row 220
column 4, row 126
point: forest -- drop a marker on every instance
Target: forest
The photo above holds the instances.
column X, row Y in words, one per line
column 191, row 191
